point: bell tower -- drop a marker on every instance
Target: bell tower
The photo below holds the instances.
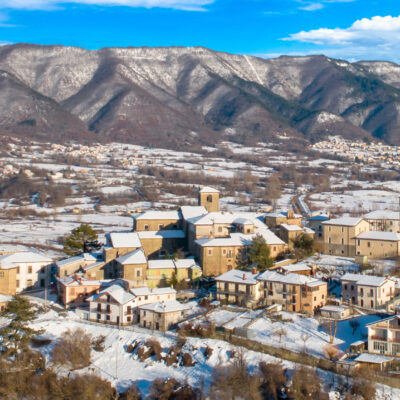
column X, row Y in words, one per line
column 209, row 199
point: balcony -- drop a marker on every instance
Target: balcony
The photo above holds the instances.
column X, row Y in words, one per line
column 103, row 311
column 234, row 293
column 380, row 338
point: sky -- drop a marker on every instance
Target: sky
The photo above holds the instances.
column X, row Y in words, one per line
column 347, row 29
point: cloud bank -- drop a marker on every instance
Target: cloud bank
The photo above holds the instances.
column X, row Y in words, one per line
column 189, row 5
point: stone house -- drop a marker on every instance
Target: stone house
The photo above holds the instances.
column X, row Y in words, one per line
column 289, row 233
column 157, row 221
column 162, row 315
column 340, row 233
column 378, row 244
column 77, row 263
column 209, row 198
column 132, row 266
column 25, row 270
column 367, row 290
column 119, row 244
column 384, row 220
column 296, row 293
column 239, row 287
column 156, row 244
column 384, row 336
column 275, row 219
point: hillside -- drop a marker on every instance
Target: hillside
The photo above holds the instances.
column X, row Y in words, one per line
column 178, row 97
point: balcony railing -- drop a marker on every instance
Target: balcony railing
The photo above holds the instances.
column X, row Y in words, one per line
column 102, row 311
column 381, row 338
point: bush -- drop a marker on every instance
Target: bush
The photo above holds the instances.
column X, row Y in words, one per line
column 132, row 393
column 208, row 352
column 306, row 384
column 363, row 384
column 98, row 343
column 187, row 360
column 73, row 349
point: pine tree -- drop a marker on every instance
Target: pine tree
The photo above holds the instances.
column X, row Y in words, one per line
column 81, row 239
column 17, row 334
column 257, row 254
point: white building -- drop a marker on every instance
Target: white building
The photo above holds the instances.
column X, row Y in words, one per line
column 384, row 220
column 32, row 269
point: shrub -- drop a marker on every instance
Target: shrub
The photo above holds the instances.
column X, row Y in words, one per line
column 187, row 360
column 208, row 352
column 73, row 349
column 40, row 342
column 132, row 393
column 98, row 343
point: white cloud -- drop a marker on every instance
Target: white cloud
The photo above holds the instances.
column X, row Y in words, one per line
column 312, row 7
column 368, row 38
column 190, row 5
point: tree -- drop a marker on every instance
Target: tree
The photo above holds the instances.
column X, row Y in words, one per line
column 273, row 380
column 81, row 239
column 303, row 246
column 257, row 254
column 306, row 384
column 355, row 324
column 73, row 349
column 17, row 334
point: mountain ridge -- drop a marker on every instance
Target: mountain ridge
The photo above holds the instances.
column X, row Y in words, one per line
column 186, row 96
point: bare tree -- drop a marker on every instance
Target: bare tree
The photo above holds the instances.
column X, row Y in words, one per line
column 305, row 337
column 280, row 332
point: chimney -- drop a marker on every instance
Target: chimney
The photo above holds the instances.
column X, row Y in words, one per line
column 290, row 214
column 244, row 276
column 254, row 270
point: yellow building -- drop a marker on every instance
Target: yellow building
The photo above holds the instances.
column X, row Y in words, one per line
column 4, row 299
column 157, row 244
column 8, row 280
column 209, row 199
column 119, row 244
column 132, row 267
column 378, row 244
column 275, row 219
column 157, row 221
column 340, row 233
column 289, row 233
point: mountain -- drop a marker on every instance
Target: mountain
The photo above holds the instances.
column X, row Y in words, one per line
column 179, row 97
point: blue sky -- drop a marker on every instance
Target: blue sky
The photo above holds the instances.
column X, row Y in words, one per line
column 349, row 29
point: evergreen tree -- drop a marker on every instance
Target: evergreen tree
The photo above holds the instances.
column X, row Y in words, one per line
column 17, row 334
column 82, row 239
column 257, row 255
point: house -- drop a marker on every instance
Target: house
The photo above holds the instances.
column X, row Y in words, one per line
column 113, row 305
column 25, row 270
column 335, row 312
column 275, row 219
column 162, row 315
column 219, row 255
column 373, row 361
column 315, row 223
column 384, row 336
column 289, row 233
column 132, row 266
column 296, row 293
column 71, row 265
column 384, row 220
column 297, row 268
column 119, row 244
column 367, row 291
column 378, row 244
column 239, row 287
column 74, row 290
column 156, row 244
column 339, row 235
column 157, row 221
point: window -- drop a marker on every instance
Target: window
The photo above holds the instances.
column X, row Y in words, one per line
column 209, row 252
column 224, row 251
column 107, row 317
column 128, row 319
column 138, row 273
column 17, row 270
column 369, row 244
column 352, row 287
column 1, row 274
column 30, row 269
column 229, row 253
column 342, row 229
column 72, row 290
column 274, row 248
column 160, row 226
column 29, row 282
column 182, row 314
column 145, row 297
column 342, row 241
column 358, row 242
column 144, row 313
column 220, row 229
column 329, row 228
column 17, row 283
column 315, row 298
column 329, row 240
column 98, row 316
column 43, row 270
column 323, row 296
column 146, row 227
column 129, row 310
column 209, row 198
column 345, row 287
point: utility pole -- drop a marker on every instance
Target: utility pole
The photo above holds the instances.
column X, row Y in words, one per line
column 45, row 297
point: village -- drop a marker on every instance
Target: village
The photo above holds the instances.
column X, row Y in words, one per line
column 297, row 275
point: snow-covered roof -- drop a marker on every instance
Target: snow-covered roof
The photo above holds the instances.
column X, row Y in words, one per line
column 189, row 212
column 291, row 227
column 9, row 261
column 364, row 280
column 281, row 214
column 344, row 221
column 164, row 306
column 94, row 265
column 145, row 291
column 167, row 234
column 238, row 276
column 124, row 239
column 117, row 292
column 162, row 215
column 78, row 258
column 222, row 217
column 380, row 235
column 243, row 221
column 185, row 263
column 296, row 267
column 291, row 279
column 82, row 281
column 159, row 264
column 383, row 214
column 373, row 358
column 134, row 257
column 208, row 189
column 240, row 239
column 338, row 309
column 383, row 319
